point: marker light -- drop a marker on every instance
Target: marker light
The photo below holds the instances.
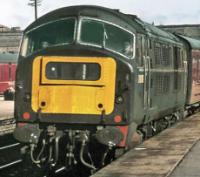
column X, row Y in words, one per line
column 117, row 118
column 26, row 115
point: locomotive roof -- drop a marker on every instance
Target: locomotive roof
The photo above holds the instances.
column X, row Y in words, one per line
column 115, row 16
column 153, row 30
column 8, row 58
column 84, row 10
column 194, row 43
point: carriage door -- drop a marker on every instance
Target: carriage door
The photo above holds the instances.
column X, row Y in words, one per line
column 147, row 80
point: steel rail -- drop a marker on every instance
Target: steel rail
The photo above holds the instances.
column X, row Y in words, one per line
column 10, row 164
column 9, row 146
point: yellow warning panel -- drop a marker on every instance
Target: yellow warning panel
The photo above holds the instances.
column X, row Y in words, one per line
column 58, row 95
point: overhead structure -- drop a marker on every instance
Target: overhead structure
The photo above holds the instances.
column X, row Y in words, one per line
column 35, row 4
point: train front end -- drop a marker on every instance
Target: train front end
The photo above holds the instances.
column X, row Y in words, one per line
column 73, row 87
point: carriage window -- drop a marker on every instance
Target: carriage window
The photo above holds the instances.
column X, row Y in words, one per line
column 59, row 32
column 108, row 36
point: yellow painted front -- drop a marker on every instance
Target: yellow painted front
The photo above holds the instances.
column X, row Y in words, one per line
column 73, row 96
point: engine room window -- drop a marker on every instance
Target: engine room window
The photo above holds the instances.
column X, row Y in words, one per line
column 166, row 58
column 177, row 58
column 111, row 37
column 157, row 53
column 73, row 71
column 54, row 33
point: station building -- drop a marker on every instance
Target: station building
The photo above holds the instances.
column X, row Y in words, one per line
column 10, row 39
column 188, row 30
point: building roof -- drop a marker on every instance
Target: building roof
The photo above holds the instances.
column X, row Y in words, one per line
column 179, row 26
column 8, row 58
column 4, row 28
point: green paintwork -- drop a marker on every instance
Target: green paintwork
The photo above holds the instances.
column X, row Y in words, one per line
column 139, row 75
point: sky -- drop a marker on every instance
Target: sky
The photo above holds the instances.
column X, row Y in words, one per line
column 161, row 12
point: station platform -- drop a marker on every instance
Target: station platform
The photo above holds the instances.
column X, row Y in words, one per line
column 174, row 152
column 6, row 108
column 7, row 122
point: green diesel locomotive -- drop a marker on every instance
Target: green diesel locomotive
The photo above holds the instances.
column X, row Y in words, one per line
column 90, row 80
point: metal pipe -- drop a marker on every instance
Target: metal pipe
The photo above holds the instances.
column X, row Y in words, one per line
column 82, row 159
column 51, row 148
column 42, row 149
column 104, row 157
column 57, row 139
column 50, row 153
column 32, row 158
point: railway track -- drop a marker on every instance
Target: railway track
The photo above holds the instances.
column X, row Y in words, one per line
column 143, row 154
column 7, row 125
column 9, row 152
column 12, row 163
column 9, row 148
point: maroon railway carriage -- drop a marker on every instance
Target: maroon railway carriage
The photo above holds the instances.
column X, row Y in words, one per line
column 193, row 65
column 196, row 75
column 8, row 63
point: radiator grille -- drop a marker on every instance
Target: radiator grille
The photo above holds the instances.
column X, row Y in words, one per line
column 162, row 84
